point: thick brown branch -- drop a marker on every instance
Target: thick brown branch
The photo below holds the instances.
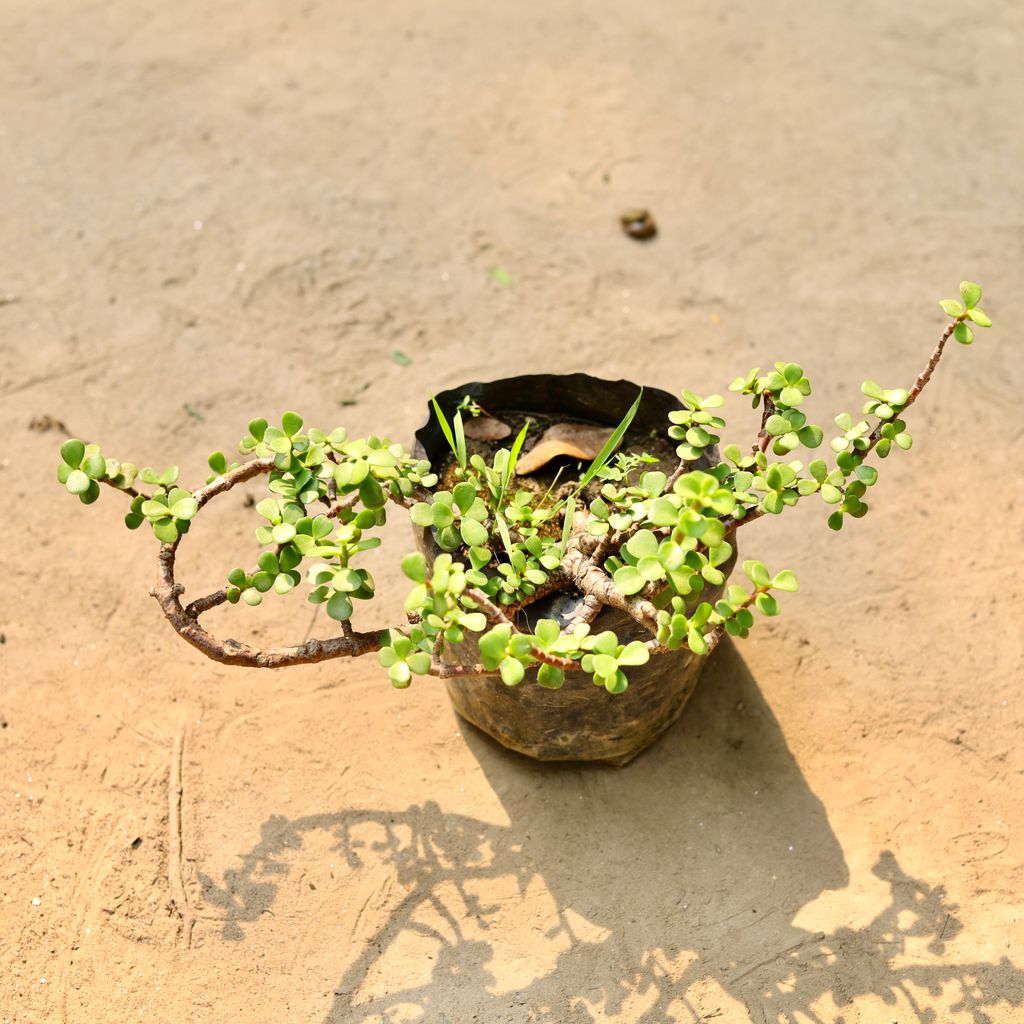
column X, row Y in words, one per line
column 234, row 652
column 585, row 614
column 594, row 581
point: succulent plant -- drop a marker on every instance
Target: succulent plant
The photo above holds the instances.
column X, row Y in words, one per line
column 648, row 543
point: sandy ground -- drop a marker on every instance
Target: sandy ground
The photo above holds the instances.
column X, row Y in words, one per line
column 211, row 212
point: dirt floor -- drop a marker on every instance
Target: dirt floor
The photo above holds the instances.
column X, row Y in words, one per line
column 212, row 212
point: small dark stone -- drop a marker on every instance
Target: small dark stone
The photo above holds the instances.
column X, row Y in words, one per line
column 639, row 224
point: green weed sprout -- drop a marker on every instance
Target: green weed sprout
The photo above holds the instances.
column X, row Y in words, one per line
column 649, row 544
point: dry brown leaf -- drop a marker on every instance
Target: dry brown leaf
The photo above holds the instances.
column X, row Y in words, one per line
column 486, row 428
column 577, row 440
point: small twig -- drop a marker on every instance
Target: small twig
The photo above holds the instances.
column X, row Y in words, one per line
column 922, row 379
column 130, row 491
column 339, row 506
column 734, row 524
column 496, row 614
column 175, row 878
column 682, row 468
column 763, row 437
column 445, row 670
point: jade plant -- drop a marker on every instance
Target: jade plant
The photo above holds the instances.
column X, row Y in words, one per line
column 655, row 545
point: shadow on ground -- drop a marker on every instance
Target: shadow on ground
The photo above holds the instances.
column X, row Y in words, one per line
column 691, row 864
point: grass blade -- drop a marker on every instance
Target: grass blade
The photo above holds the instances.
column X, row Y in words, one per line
column 570, row 512
column 506, row 537
column 445, row 428
column 510, row 466
column 460, row 440
column 611, row 444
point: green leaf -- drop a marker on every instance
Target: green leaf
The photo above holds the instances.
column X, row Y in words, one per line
column 970, row 293
column 463, row 496
column 283, row 582
column 476, row 622
column 474, row 534
column 422, row 514
column 419, row 662
column 442, row 514
column 951, row 307
column 95, row 466
column 643, row 544
column 185, row 508
column 72, row 452
column 980, row 318
column 291, row 422
column 963, row 333
column 547, row 631
column 786, row 580
column 766, row 604
column 165, row 531
column 629, row 580
column 371, row 494
column 492, row 645
column 696, row 642
column 756, row 572
column 512, row 671
column 415, row 567
column 257, row 428
column 400, row 675
column 811, row 436
column 339, row 607
column 635, row 653
column 218, row 463
column 831, row 495
column 283, row 533
column 616, row 683
column 263, row 581
column 77, row 482
column 237, row 577
column 550, row 677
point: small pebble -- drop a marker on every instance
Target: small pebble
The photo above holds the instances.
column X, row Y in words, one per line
column 639, row 224
column 36, row 901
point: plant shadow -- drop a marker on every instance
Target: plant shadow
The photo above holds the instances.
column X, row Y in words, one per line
column 689, row 865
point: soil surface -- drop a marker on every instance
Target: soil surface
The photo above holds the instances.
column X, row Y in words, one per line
column 215, row 213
